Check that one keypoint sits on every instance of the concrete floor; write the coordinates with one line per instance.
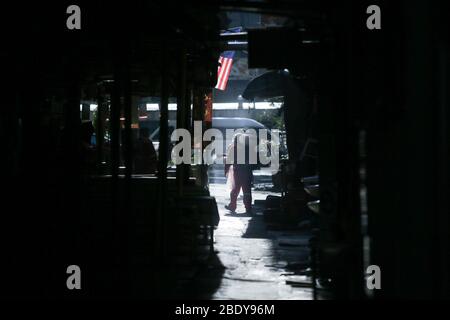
(252, 260)
(256, 263)
(255, 258)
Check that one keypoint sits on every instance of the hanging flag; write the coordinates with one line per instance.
(223, 72)
(225, 64)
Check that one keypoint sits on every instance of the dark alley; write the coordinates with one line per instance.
(225, 151)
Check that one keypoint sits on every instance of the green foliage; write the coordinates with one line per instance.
(272, 119)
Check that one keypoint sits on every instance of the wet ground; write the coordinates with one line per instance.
(251, 260)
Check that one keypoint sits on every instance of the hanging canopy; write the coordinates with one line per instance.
(268, 85)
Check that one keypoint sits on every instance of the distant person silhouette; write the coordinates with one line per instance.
(240, 175)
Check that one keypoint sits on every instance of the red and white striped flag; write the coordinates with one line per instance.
(223, 72)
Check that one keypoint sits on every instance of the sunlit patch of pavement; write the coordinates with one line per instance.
(253, 269)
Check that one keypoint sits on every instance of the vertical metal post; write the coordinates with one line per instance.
(187, 121)
(71, 182)
(127, 205)
(163, 155)
(115, 127)
(115, 158)
(188, 101)
(201, 97)
(100, 130)
(85, 111)
(181, 113)
(128, 143)
(197, 115)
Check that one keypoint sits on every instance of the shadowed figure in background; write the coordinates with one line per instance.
(145, 154)
(239, 173)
